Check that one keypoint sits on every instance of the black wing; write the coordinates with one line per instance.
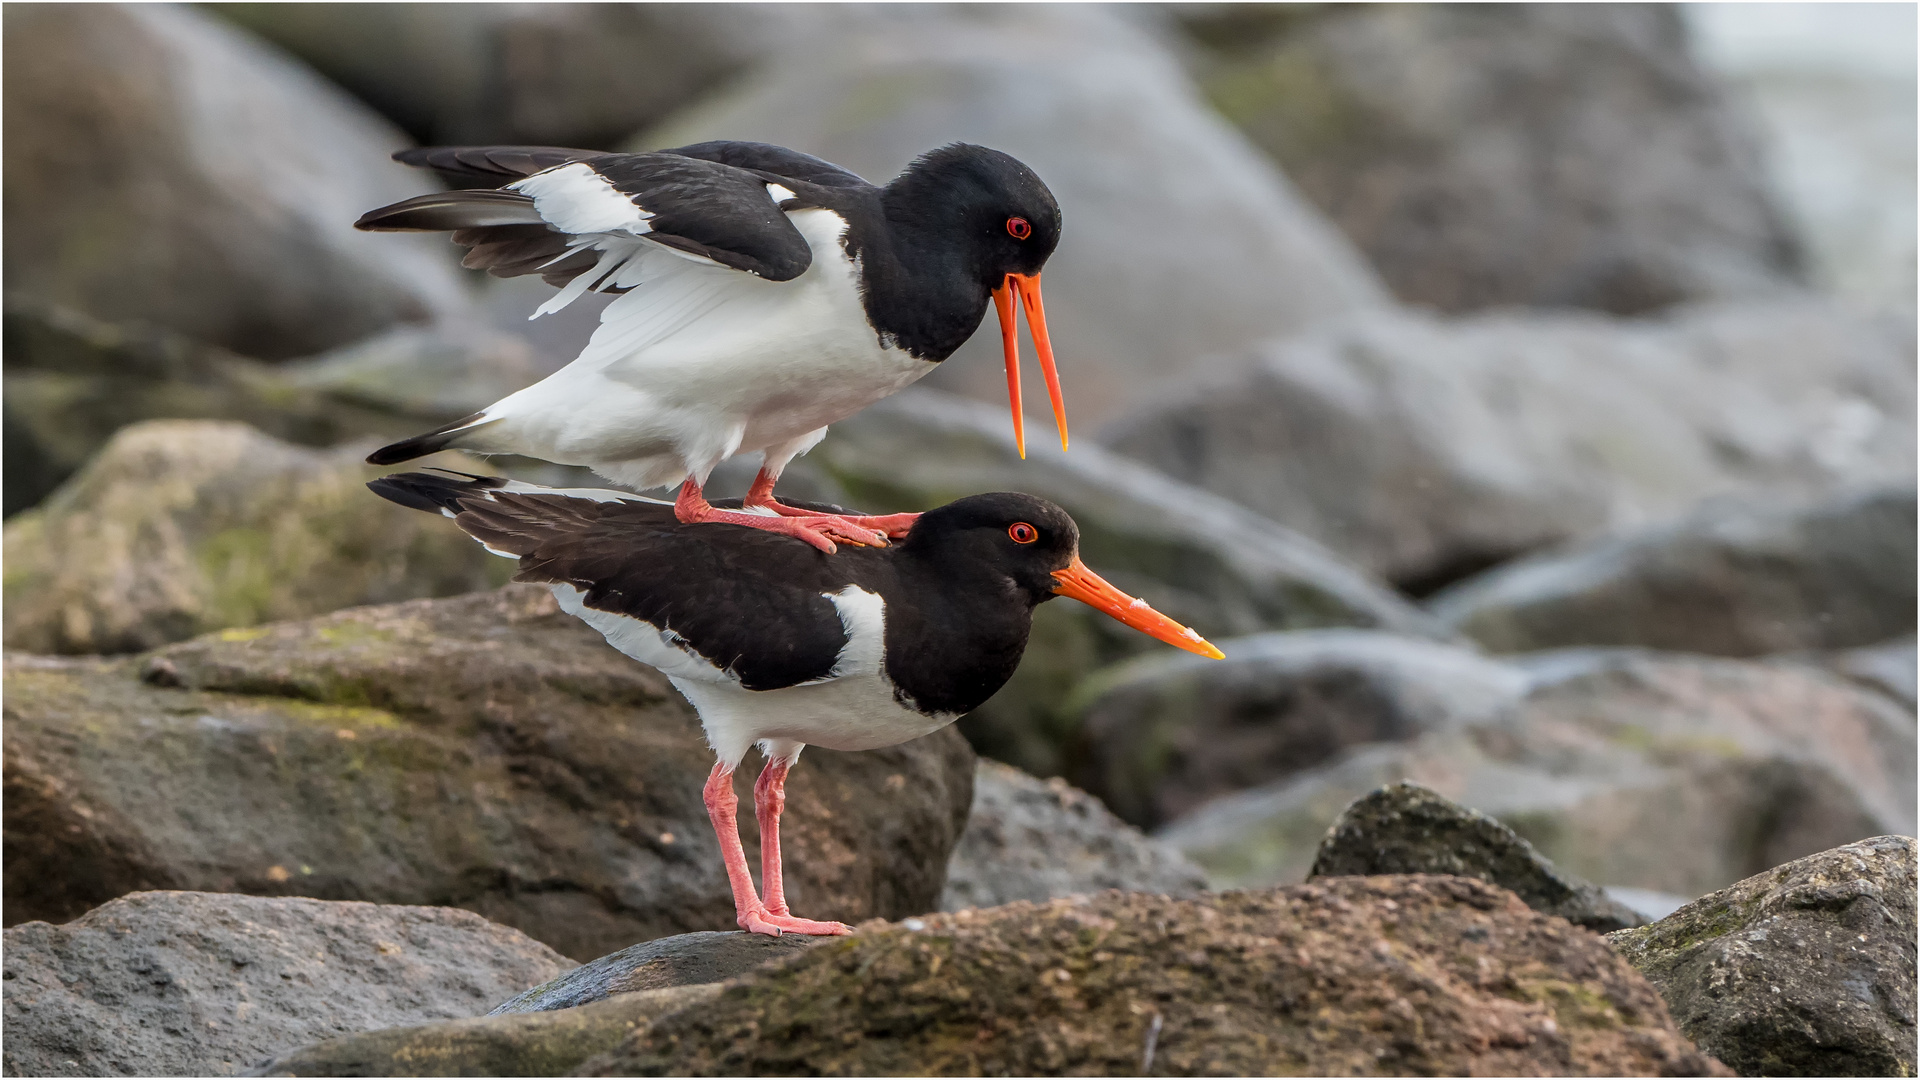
(777, 161)
(702, 207)
(748, 602)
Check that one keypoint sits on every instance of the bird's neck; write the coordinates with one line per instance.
(917, 285)
(958, 645)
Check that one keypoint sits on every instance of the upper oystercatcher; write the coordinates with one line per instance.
(776, 644)
(767, 294)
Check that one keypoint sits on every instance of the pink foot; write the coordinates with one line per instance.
(820, 530)
(795, 925)
(761, 495)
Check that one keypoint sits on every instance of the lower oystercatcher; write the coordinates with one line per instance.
(780, 646)
(767, 294)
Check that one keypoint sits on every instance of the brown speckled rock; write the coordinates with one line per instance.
(1805, 970)
(1384, 975)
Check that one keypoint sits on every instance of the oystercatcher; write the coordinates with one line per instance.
(779, 646)
(767, 294)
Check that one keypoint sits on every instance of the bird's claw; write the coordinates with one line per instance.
(762, 921)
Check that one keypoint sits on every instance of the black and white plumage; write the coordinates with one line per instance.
(777, 644)
(764, 293)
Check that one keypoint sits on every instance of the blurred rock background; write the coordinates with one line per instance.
(1522, 395)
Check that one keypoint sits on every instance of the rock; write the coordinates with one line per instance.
(1180, 239)
(1408, 829)
(1162, 736)
(485, 751)
(435, 374)
(1669, 772)
(1734, 578)
(1201, 559)
(709, 956)
(1511, 155)
(1892, 667)
(73, 380)
(195, 983)
(1805, 970)
(1416, 975)
(213, 191)
(182, 527)
(1427, 450)
(1032, 839)
(510, 73)
(522, 1044)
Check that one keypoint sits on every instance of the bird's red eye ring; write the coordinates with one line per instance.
(1023, 533)
(1018, 228)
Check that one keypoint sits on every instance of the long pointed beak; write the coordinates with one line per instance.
(1088, 587)
(1028, 286)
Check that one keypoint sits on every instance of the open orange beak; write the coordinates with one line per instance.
(1028, 286)
(1088, 587)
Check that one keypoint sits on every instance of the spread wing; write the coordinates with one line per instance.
(585, 220)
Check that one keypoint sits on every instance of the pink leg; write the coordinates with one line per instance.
(820, 530)
(769, 798)
(721, 807)
(761, 494)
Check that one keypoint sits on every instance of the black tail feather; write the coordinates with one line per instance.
(421, 445)
(434, 494)
(499, 164)
(444, 211)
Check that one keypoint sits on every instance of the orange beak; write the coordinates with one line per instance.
(1088, 587)
(1028, 285)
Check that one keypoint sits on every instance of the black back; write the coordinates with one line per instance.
(959, 593)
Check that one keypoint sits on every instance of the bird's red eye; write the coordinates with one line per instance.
(1023, 533)
(1018, 228)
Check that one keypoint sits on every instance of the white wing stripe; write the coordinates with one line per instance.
(575, 199)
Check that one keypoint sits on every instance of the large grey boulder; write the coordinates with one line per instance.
(206, 984)
(1734, 578)
(542, 74)
(1202, 559)
(1033, 839)
(1162, 735)
(1426, 450)
(1180, 240)
(1509, 154)
(1805, 970)
(485, 751)
(163, 166)
(1661, 771)
(181, 527)
(1408, 829)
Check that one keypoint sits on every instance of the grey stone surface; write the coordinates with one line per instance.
(1163, 735)
(1660, 771)
(709, 956)
(1891, 666)
(1737, 577)
(438, 373)
(539, 74)
(163, 166)
(182, 527)
(1426, 450)
(1508, 154)
(1805, 970)
(1180, 239)
(204, 984)
(486, 751)
(1202, 560)
(1033, 839)
(1408, 829)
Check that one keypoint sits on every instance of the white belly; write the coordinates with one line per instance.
(857, 713)
(700, 362)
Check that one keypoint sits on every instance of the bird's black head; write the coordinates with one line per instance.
(1014, 542)
(1005, 219)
